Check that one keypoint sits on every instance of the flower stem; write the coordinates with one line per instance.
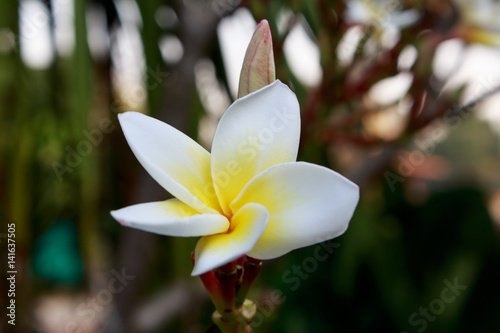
(251, 269)
(227, 287)
(227, 278)
(241, 321)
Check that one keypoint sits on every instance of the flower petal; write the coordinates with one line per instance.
(175, 161)
(257, 131)
(307, 204)
(171, 218)
(247, 225)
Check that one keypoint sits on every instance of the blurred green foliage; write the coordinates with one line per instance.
(56, 255)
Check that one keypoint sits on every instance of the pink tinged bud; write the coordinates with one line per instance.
(258, 66)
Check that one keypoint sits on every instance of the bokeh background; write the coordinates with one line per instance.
(398, 96)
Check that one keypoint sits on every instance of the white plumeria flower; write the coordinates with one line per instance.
(381, 13)
(249, 196)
